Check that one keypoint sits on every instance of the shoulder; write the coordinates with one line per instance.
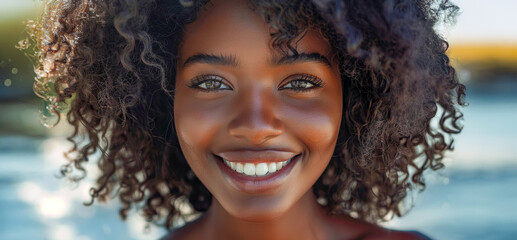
(387, 234)
(174, 235)
(189, 231)
(349, 228)
(376, 232)
(180, 234)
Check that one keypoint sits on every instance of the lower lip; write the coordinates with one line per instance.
(257, 184)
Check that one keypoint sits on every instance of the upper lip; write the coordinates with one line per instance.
(247, 155)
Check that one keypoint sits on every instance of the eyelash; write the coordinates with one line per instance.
(307, 78)
(207, 78)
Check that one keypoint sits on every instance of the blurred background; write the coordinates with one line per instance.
(474, 197)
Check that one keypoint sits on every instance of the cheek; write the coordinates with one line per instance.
(319, 131)
(317, 125)
(196, 126)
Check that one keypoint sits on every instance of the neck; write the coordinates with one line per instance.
(302, 221)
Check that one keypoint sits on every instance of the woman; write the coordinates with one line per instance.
(258, 119)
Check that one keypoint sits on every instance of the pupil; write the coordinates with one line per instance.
(213, 84)
(300, 84)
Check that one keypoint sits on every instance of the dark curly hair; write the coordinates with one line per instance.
(110, 66)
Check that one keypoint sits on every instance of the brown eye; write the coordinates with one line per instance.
(209, 83)
(303, 83)
(299, 84)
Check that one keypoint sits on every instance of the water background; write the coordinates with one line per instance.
(475, 197)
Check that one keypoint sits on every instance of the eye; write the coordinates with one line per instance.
(209, 83)
(303, 83)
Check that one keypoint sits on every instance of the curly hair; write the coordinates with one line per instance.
(109, 65)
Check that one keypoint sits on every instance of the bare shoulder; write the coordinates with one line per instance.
(183, 233)
(189, 231)
(176, 234)
(376, 232)
(348, 228)
(387, 234)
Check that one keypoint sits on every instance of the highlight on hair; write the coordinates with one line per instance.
(109, 65)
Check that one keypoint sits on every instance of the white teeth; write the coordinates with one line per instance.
(279, 165)
(239, 168)
(249, 169)
(272, 167)
(259, 169)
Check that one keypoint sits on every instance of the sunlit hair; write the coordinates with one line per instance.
(110, 66)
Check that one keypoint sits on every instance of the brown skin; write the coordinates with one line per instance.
(255, 109)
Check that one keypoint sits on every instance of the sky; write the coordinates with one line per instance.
(482, 21)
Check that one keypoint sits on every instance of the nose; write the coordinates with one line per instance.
(256, 120)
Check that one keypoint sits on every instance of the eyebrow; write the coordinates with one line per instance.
(302, 57)
(225, 60)
(231, 60)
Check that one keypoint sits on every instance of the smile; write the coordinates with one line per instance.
(257, 171)
(260, 169)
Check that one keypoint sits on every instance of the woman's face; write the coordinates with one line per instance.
(274, 118)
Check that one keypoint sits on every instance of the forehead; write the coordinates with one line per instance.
(231, 27)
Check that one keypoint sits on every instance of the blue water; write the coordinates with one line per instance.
(34, 204)
(473, 205)
(475, 197)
